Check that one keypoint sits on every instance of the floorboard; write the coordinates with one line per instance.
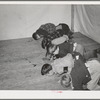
(18, 58)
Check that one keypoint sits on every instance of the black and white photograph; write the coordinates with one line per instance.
(50, 46)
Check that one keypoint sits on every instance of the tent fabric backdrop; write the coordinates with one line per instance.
(21, 20)
(87, 20)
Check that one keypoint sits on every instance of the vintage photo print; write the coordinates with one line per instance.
(49, 49)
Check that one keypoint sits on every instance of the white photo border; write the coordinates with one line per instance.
(56, 94)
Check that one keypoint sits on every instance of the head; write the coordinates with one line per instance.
(64, 27)
(35, 36)
(70, 34)
(40, 33)
(59, 33)
(46, 68)
(52, 49)
(49, 27)
(66, 80)
(45, 42)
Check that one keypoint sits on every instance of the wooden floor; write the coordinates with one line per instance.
(18, 58)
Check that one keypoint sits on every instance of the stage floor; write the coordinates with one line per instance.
(21, 62)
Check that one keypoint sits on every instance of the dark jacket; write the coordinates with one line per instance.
(80, 75)
(65, 48)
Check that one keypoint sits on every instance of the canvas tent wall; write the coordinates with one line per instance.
(21, 20)
(87, 20)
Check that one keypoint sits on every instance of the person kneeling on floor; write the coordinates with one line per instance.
(61, 50)
(83, 76)
(79, 74)
(59, 66)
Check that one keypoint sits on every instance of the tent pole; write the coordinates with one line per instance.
(72, 18)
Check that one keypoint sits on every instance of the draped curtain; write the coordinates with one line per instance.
(87, 20)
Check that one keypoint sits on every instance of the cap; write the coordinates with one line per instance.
(45, 69)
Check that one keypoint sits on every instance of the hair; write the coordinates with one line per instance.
(34, 36)
(45, 69)
(41, 33)
(66, 80)
(44, 43)
(48, 52)
(52, 47)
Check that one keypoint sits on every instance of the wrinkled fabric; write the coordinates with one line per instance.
(93, 65)
(68, 47)
(94, 69)
(80, 75)
(79, 48)
(60, 63)
(60, 40)
(90, 54)
(92, 85)
(65, 48)
(87, 20)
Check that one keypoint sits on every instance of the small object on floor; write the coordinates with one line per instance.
(34, 65)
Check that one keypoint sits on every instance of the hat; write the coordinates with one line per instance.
(42, 32)
(64, 27)
(49, 27)
(45, 69)
(35, 36)
(66, 80)
(39, 34)
(44, 43)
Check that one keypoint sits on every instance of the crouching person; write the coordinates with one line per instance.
(59, 66)
(79, 73)
(83, 76)
(63, 49)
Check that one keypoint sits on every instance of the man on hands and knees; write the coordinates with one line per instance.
(79, 73)
(59, 66)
